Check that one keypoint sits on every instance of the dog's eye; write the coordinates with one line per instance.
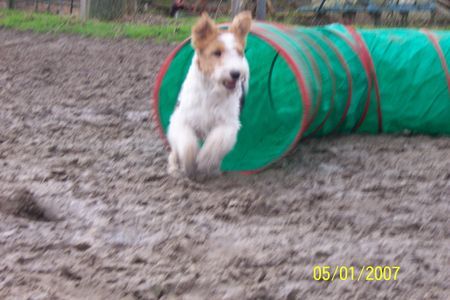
(217, 53)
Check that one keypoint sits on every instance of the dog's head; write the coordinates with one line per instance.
(220, 53)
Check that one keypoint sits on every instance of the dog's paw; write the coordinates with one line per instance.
(207, 165)
(199, 177)
(174, 172)
(190, 170)
(205, 174)
(173, 166)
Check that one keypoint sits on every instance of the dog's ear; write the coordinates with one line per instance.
(241, 25)
(203, 31)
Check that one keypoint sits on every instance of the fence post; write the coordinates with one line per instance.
(103, 9)
(48, 5)
(131, 7)
(36, 5)
(60, 9)
(260, 9)
(11, 4)
(235, 7)
(71, 6)
(84, 9)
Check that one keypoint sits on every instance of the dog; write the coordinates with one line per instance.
(209, 102)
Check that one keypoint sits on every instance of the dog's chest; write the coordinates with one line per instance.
(207, 111)
(210, 113)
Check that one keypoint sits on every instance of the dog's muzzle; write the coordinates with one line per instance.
(230, 84)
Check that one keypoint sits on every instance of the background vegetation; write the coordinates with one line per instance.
(172, 30)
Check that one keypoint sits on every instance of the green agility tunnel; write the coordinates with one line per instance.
(324, 80)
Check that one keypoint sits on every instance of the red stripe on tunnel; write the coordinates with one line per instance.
(435, 42)
(367, 72)
(371, 68)
(344, 64)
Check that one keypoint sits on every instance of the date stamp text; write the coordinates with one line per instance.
(363, 273)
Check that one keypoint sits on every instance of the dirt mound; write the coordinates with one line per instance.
(22, 203)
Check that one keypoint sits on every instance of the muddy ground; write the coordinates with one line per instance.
(88, 212)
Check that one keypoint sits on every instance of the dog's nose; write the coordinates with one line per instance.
(235, 74)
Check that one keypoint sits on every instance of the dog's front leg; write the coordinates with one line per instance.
(184, 148)
(218, 143)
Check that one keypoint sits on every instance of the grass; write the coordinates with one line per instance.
(173, 31)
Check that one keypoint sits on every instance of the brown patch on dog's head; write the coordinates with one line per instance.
(209, 47)
(203, 32)
(211, 56)
(241, 25)
(205, 41)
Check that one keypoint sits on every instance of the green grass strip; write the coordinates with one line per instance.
(174, 31)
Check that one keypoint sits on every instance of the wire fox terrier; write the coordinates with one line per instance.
(209, 102)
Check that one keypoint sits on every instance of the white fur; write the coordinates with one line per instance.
(208, 112)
